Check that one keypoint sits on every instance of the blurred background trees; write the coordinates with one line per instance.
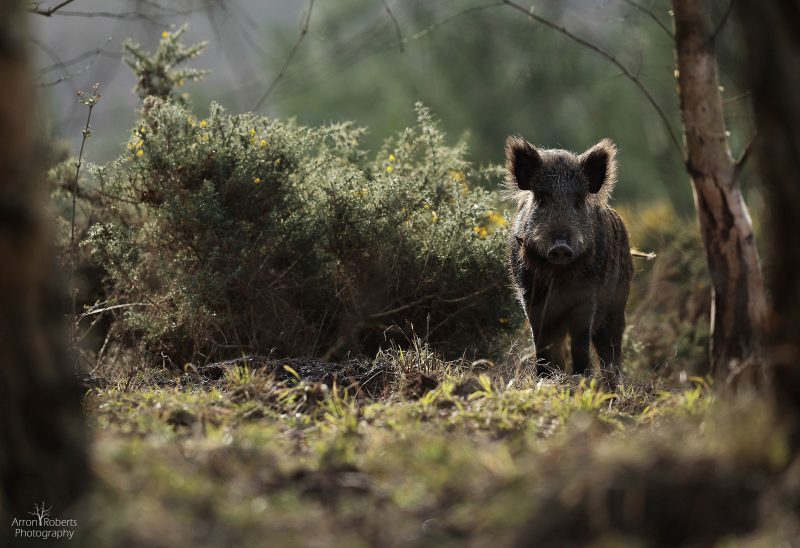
(484, 69)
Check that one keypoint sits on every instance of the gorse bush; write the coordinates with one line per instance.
(240, 233)
(158, 74)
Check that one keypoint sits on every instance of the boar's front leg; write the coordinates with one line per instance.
(580, 333)
(549, 342)
(607, 339)
(549, 332)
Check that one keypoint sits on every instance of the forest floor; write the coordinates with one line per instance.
(407, 449)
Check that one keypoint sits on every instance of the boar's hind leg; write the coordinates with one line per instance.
(607, 340)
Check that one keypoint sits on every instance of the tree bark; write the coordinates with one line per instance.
(773, 71)
(42, 436)
(739, 304)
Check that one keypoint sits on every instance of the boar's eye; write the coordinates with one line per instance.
(543, 199)
(578, 201)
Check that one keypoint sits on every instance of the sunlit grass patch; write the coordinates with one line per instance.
(477, 453)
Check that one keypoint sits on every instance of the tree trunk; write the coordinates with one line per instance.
(42, 437)
(739, 305)
(773, 63)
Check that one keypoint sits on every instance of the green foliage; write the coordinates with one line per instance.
(244, 233)
(525, 79)
(157, 73)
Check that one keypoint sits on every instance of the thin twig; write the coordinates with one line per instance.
(643, 254)
(303, 32)
(49, 11)
(109, 308)
(69, 76)
(60, 65)
(90, 103)
(128, 15)
(396, 24)
(446, 20)
(610, 58)
(651, 15)
(729, 100)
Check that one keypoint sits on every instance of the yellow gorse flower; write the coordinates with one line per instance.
(389, 169)
(165, 35)
(496, 218)
(392, 158)
(481, 231)
(263, 143)
(457, 175)
(203, 123)
(139, 153)
(257, 180)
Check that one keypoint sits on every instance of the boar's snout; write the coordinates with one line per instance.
(560, 252)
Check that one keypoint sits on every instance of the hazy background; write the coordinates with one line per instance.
(485, 70)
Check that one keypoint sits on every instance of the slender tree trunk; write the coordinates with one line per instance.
(739, 305)
(773, 62)
(42, 438)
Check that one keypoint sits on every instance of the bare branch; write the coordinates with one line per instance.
(303, 32)
(60, 65)
(122, 16)
(47, 12)
(446, 20)
(651, 15)
(57, 62)
(610, 58)
(154, 18)
(396, 24)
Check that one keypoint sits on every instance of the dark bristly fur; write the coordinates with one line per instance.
(569, 255)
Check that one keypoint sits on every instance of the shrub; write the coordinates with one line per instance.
(669, 309)
(240, 233)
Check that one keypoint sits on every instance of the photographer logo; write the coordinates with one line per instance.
(43, 526)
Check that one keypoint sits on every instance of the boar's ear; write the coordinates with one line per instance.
(522, 161)
(599, 164)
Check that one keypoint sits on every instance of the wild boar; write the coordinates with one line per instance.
(569, 256)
